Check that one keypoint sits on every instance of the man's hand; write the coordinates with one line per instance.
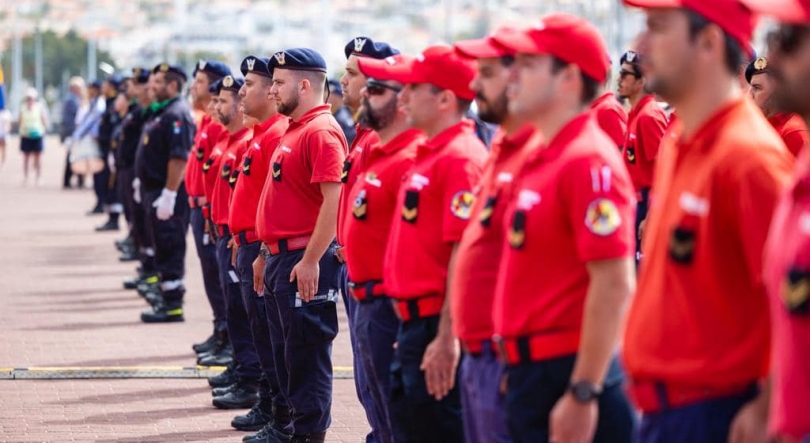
(751, 423)
(165, 204)
(258, 275)
(573, 422)
(234, 249)
(439, 363)
(641, 226)
(307, 275)
(136, 190)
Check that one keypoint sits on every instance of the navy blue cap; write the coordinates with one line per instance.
(213, 67)
(634, 59)
(758, 66)
(213, 88)
(297, 59)
(366, 47)
(95, 84)
(140, 75)
(174, 69)
(114, 80)
(256, 65)
(334, 87)
(231, 83)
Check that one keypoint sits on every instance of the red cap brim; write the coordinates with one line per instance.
(519, 42)
(481, 48)
(789, 11)
(399, 68)
(654, 3)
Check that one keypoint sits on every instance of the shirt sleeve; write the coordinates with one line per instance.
(650, 130)
(600, 206)
(180, 136)
(612, 124)
(327, 151)
(796, 141)
(461, 175)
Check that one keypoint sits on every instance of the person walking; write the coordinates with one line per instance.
(32, 123)
(70, 110)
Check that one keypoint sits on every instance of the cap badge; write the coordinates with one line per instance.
(202, 64)
(760, 63)
(359, 43)
(391, 61)
(136, 72)
(164, 67)
(280, 58)
(251, 62)
(227, 81)
(631, 56)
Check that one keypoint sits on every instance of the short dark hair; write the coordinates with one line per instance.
(590, 87)
(733, 51)
(463, 104)
(175, 78)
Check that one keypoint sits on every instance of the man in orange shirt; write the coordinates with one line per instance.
(790, 126)
(697, 337)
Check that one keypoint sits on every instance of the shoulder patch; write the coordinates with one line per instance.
(461, 205)
(602, 217)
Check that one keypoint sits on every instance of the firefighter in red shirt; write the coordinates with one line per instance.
(353, 81)
(787, 252)
(566, 268)
(296, 221)
(476, 262)
(646, 125)
(697, 335)
(611, 116)
(790, 126)
(434, 203)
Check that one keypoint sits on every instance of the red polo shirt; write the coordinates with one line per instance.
(700, 314)
(787, 277)
(210, 168)
(204, 141)
(435, 201)
(479, 251)
(573, 203)
(647, 123)
(253, 172)
(611, 117)
(374, 198)
(793, 131)
(311, 152)
(364, 142)
(221, 195)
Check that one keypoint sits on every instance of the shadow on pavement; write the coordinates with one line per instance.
(179, 436)
(130, 397)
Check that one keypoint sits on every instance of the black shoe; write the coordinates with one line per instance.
(109, 226)
(268, 434)
(154, 297)
(244, 396)
(224, 358)
(318, 437)
(254, 420)
(128, 255)
(99, 209)
(124, 243)
(226, 378)
(163, 314)
(205, 346)
(149, 283)
(133, 282)
(219, 392)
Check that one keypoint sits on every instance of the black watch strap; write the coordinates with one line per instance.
(585, 391)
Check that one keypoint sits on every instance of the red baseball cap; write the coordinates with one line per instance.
(730, 15)
(567, 37)
(789, 11)
(438, 65)
(485, 47)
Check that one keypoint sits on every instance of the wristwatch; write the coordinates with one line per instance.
(264, 252)
(584, 391)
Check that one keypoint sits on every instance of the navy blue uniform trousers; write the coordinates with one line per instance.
(169, 238)
(259, 328)
(207, 252)
(533, 390)
(244, 353)
(307, 331)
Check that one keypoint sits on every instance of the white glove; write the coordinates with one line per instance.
(111, 162)
(165, 204)
(136, 190)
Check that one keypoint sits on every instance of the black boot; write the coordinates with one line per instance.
(133, 282)
(258, 417)
(111, 225)
(243, 396)
(207, 345)
(124, 244)
(129, 255)
(226, 378)
(219, 392)
(221, 354)
(149, 283)
(269, 434)
(317, 437)
(98, 209)
(163, 313)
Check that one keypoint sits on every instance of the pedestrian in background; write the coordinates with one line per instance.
(77, 96)
(32, 123)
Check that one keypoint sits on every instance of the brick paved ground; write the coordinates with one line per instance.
(61, 304)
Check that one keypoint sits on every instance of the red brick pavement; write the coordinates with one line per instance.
(61, 304)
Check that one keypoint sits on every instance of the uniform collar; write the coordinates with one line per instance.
(443, 138)
(605, 97)
(311, 114)
(402, 140)
(267, 124)
(641, 104)
(237, 135)
(780, 119)
(514, 141)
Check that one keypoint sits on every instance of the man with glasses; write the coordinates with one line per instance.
(373, 200)
(787, 253)
(645, 127)
(434, 203)
(697, 337)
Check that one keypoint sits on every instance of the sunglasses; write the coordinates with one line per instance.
(376, 87)
(624, 73)
(787, 38)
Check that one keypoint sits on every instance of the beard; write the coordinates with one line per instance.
(377, 119)
(288, 107)
(493, 112)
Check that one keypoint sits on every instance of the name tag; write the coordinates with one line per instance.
(694, 205)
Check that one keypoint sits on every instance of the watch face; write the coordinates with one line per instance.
(584, 391)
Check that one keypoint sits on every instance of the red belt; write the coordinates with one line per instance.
(367, 290)
(537, 347)
(196, 202)
(245, 237)
(651, 397)
(422, 307)
(288, 244)
(223, 231)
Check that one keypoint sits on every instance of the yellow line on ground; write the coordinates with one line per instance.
(127, 372)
